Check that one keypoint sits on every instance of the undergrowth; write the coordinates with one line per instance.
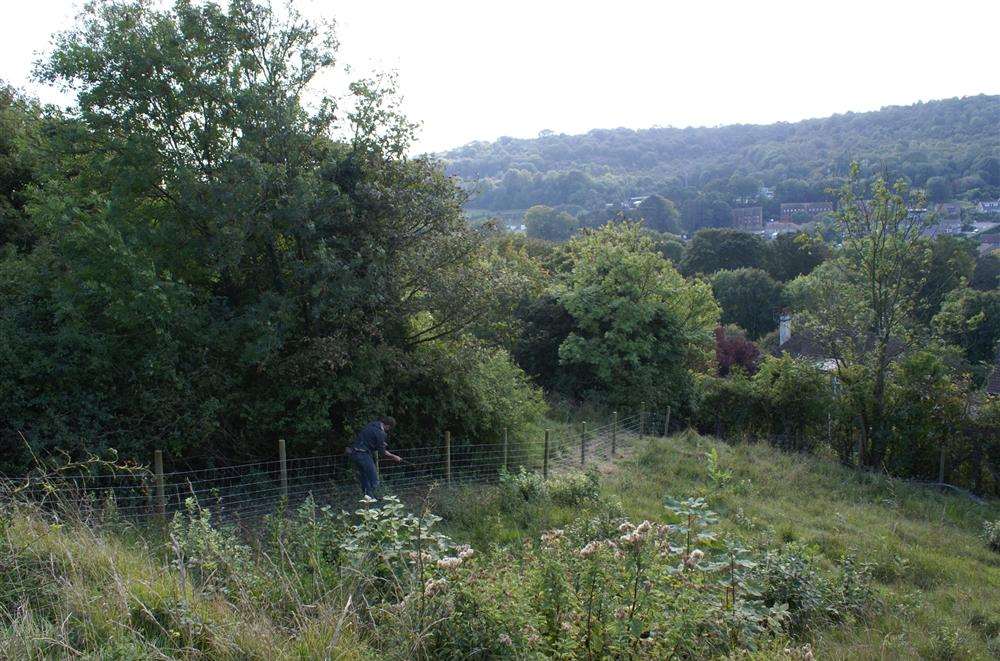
(759, 554)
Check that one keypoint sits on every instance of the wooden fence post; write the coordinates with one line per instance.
(161, 501)
(283, 467)
(642, 418)
(666, 423)
(614, 432)
(545, 457)
(505, 448)
(447, 457)
(583, 444)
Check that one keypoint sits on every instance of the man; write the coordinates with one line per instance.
(370, 442)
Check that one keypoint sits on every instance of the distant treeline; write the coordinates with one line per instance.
(947, 147)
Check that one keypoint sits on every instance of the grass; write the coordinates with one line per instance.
(116, 593)
(939, 582)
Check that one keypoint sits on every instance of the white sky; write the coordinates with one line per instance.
(473, 70)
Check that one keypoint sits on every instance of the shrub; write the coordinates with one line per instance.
(790, 577)
(522, 486)
(574, 488)
(991, 533)
(794, 396)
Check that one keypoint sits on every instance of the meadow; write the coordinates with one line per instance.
(683, 547)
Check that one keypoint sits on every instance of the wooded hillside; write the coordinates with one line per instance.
(948, 146)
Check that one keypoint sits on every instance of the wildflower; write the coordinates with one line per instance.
(590, 549)
(449, 563)
(632, 538)
(434, 585)
(566, 626)
(552, 537)
(626, 527)
(694, 558)
(505, 640)
(466, 553)
(621, 613)
(644, 527)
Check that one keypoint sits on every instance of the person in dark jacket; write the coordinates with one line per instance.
(368, 444)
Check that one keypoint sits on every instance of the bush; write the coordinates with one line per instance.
(794, 396)
(575, 488)
(791, 576)
(991, 533)
(522, 486)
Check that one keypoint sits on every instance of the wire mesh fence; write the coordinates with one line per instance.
(249, 490)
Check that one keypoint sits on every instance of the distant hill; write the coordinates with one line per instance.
(951, 147)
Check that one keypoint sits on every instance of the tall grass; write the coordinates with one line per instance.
(806, 557)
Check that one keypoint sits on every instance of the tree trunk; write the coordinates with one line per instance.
(878, 438)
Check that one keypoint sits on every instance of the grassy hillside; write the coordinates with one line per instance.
(938, 582)
(299, 591)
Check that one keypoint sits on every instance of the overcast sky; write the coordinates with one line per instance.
(476, 71)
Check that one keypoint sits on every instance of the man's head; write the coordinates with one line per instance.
(388, 422)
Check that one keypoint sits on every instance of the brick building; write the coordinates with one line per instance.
(789, 210)
(750, 219)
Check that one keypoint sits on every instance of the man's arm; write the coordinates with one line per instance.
(384, 449)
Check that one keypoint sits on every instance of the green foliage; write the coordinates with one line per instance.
(522, 486)
(991, 534)
(568, 489)
(986, 276)
(469, 388)
(927, 401)
(860, 309)
(637, 323)
(542, 222)
(791, 576)
(700, 168)
(575, 489)
(712, 250)
(20, 122)
(749, 298)
(970, 319)
(791, 255)
(794, 396)
(725, 406)
(214, 264)
(952, 263)
(659, 214)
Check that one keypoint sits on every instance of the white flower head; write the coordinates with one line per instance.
(434, 585)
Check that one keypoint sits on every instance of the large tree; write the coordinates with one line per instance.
(637, 325)
(542, 222)
(749, 298)
(712, 250)
(791, 255)
(222, 262)
(659, 214)
(859, 309)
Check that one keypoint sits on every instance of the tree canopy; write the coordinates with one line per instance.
(948, 147)
(217, 263)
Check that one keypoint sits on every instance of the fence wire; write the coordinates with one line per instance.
(246, 491)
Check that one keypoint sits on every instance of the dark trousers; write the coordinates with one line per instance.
(366, 472)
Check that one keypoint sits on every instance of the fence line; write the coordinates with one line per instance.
(249, 490)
